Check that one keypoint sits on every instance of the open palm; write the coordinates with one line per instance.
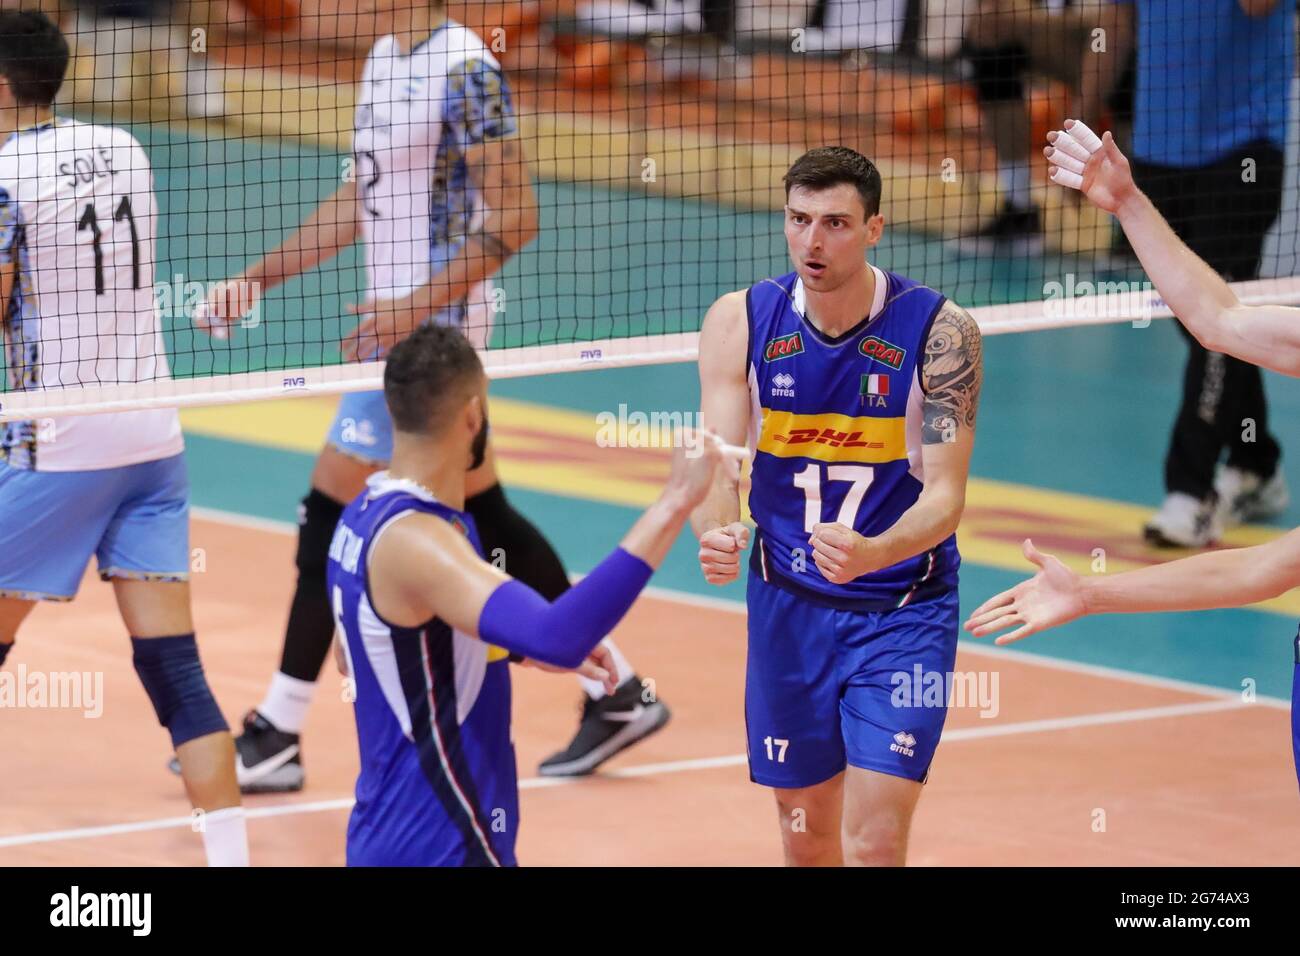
(1050, 598)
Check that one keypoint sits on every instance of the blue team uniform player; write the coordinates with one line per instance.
(437, 785)
(831, 676)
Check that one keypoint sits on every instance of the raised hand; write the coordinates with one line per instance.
(1095, 167)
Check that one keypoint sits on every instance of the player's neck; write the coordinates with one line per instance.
(21, 117)
(415, 24)
(428, 464)
(834, 313)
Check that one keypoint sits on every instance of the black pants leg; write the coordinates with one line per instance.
(1223, 218)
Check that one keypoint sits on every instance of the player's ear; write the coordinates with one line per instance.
(875, 228)
(475, 411)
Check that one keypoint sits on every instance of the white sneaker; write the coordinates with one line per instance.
(1184, 522)
(627, 19)
(1244, 496)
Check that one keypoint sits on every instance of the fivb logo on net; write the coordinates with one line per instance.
(656, 429)
(21, 689)
(181, 298)
(1083, 299)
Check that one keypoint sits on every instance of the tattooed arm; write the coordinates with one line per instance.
(951, 376)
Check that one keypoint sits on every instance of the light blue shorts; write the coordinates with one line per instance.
(362, 428)
(135, 520)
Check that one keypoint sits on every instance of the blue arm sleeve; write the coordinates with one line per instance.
(563, 633)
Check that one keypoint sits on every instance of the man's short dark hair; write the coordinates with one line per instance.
(428, 374)
(33, 56)
(828, 166)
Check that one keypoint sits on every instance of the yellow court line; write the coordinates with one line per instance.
(554, 451)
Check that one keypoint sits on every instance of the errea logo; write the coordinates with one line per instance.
(904, 743)
(783, 385)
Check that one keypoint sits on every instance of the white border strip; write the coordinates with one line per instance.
(1088, 310)
(336, 379)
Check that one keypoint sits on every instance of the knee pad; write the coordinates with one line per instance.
(317, 517)
(173, 678)
(998, 73)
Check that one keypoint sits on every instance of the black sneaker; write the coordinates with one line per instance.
(267, 760)
(609, 726)
(1013, 230)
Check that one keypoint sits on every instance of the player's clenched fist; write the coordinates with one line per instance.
(720, 552)
(842, 555)
(227, 302)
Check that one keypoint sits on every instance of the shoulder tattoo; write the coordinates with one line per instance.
(951, 374)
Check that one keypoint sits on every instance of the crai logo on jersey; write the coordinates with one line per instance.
(783, 347)
(882, 351)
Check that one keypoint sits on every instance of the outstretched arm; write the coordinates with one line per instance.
(422, 567)
(1056, 595)
(324, 234)
(1266, 335)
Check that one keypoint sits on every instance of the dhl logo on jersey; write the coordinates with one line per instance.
(832, 437)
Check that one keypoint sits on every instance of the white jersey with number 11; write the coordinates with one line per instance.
(77, 227)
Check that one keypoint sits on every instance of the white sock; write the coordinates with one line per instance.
(225, 837)
(594, 688)
(286, 702)
(1015, 178)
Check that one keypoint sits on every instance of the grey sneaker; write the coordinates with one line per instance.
(1245, 496)
(1184, 522)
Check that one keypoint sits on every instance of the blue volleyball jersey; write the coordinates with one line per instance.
(437, 785)
(836, 428)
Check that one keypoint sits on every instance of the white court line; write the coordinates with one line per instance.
(654, 769)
